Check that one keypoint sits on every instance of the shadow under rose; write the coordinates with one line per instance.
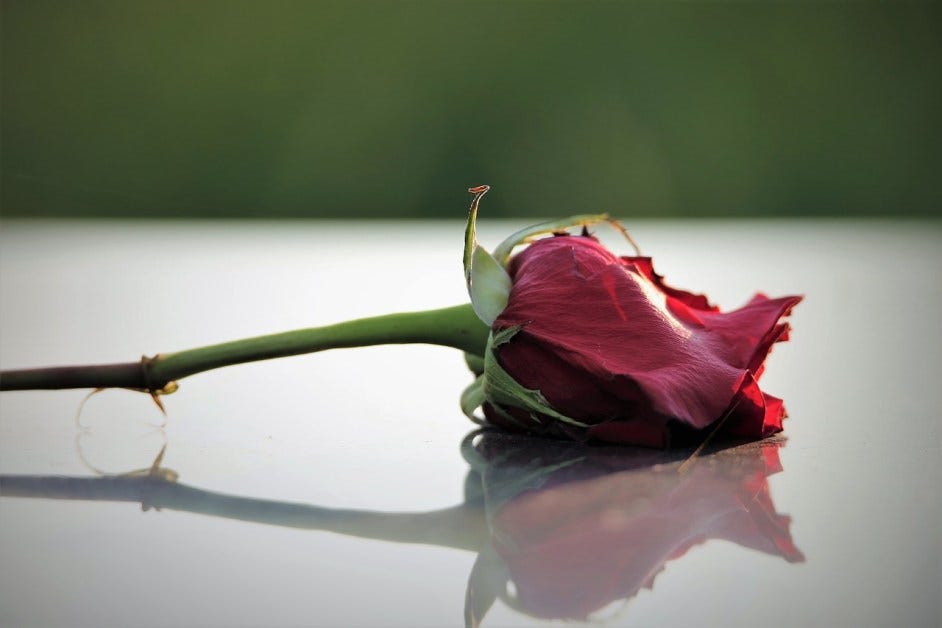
(561, 530)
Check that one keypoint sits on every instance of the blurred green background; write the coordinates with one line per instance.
(392, 109)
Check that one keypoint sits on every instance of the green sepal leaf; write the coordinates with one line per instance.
(503, 391)
(505, 248)
(488, 282)
(472, 398)
(489, 287)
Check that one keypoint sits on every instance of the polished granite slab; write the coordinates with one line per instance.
(346, 488)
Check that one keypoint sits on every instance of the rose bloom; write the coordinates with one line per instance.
(609, 344)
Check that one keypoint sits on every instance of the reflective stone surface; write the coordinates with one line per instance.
(346, 488)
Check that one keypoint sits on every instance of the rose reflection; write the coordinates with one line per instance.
(575, 529)
(562, 530)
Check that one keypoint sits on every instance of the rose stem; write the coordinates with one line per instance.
(457, 327)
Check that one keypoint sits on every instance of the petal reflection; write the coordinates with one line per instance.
(577, 528)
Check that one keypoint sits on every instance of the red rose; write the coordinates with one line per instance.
(608, 344)
(595, 346)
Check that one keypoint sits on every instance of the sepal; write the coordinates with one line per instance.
(488, 282)
(527, 234)
(472, 398)
(504, 392)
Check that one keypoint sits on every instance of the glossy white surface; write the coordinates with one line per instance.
(379, 429)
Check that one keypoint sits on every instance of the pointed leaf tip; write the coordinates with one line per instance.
(488, 282)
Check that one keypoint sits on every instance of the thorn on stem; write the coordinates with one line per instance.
(160, 404)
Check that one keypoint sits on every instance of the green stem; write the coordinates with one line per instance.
(457, 327)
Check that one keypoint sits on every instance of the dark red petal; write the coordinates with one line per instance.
(578, 392)
(637, 432)
(754, 414)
